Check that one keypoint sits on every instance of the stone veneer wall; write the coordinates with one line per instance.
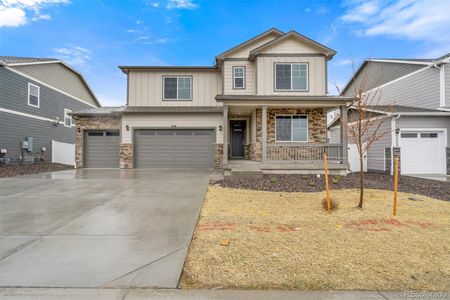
(218, 158)
(91, 123)
(126, 156)
(317, 127)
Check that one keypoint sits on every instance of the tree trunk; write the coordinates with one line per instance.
(361, 182)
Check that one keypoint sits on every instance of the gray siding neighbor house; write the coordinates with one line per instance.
(415, 95)
(37, 96)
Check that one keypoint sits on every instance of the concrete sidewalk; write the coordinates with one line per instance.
(128, 294)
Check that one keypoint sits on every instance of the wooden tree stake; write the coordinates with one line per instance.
(394, 212)
(325, 162)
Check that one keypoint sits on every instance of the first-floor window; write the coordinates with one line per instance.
(291, 128)
(67, 117)
(177, 88)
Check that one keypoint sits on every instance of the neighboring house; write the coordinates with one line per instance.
(415, 95)
(37, 96)
(262, 105)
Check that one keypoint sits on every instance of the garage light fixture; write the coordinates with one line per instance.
(220, 127)
(127, 127)
(397, 130)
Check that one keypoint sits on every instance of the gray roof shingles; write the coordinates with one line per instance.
(17, 59)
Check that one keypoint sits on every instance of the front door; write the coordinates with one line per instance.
(238, 138)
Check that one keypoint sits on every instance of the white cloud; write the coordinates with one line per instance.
(12, 17)
(74, 55)
(155, 4)
(181, 4)
(416, 20)
(342, 62)
(13, 13)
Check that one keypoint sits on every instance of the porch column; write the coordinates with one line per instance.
(225, 135)
(264, 134)
(344, 141)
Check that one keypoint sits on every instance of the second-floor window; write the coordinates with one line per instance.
(67, 117)
(177, 87)
(291, 77)
(239, 77)
(33, 95)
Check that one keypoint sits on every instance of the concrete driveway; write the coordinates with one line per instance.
(98, 228)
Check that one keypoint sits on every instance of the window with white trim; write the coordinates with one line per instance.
(177, 88)
(67, 118)
(238, 77)
(291, 128)
(291, 77)
(33, 95)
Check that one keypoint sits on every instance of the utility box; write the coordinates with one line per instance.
(28, 144)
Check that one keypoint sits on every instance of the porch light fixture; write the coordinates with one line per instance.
(79, 129)
(220, 127)
(127, 127)
(397, 130)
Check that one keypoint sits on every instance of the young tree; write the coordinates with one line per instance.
(364, 125)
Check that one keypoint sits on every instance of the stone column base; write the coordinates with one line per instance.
(218, 158)
(126, 156)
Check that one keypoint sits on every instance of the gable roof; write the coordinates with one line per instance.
(329, 53)
(413, 61)
(273, 30)
(12, 61)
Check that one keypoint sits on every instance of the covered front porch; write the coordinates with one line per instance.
(281, 137)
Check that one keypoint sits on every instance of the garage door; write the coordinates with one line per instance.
(422, 152)
(174, 148)
(101, 149)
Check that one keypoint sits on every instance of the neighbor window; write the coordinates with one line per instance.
(291, 77)
(291, 128)
(177, 87)
(67, 117)
(33, 95)
(239, 77)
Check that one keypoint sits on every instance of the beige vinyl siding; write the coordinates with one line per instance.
(244, 51)
(266, 75)
(290, 45)
(418, 90)
(60, 77)
(447, 84)
(161, 121)
(146, 88)
(379, 73)
(249, 77)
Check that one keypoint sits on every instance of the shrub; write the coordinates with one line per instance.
(273, 179)
(333, 203)
(336, 179)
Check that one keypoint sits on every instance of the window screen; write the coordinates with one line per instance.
(291, 77)
(177, 88)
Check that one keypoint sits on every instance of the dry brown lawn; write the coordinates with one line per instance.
(288, 241)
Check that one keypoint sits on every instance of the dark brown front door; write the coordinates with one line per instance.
(238, 138)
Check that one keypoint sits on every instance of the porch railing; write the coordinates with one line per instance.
(303, 152)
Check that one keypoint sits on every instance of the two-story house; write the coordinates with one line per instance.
(37, 96)
(415, 96)
(263, 105)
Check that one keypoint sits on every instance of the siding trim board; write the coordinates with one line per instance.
(10, 111)
(49, 86)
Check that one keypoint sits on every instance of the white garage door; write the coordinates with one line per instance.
(422, 152)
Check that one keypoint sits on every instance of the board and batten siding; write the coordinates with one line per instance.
(379, 73)
(172, 121)
(292, 46)
(244, 52)
(14, 96)
(266, 75)
(249, 77)
(60, 77)
(145, 88)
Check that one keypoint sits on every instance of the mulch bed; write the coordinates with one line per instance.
(31, 168)
(311, 183)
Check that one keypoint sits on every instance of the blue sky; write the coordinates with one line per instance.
(97, 36)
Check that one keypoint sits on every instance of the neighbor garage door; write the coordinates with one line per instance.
(422, 152)
(174, 148)
(101, 149)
